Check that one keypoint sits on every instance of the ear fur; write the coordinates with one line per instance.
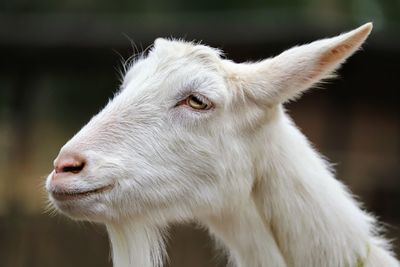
(287, 75)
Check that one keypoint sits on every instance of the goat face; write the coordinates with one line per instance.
(184, 135)
(160, 148)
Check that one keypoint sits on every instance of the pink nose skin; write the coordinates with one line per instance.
(69, 164)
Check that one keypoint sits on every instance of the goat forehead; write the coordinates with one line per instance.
(177, 49)
(172, 67)
(171, 56)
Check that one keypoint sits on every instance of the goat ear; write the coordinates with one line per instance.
(287, 75)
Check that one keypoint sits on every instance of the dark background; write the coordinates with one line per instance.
(59, 63)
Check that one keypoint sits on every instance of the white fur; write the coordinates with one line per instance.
(242, 169)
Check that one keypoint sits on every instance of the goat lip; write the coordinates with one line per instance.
(75, 195)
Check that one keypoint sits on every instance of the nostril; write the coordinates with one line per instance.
(69, 165)
(73, 168)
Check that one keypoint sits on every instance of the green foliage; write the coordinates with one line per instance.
(388, 10)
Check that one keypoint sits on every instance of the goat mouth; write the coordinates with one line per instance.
(75, 195)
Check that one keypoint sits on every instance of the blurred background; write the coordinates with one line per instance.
(59, 63)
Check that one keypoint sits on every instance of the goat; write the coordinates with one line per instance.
(192, 136)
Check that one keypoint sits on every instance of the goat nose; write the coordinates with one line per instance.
(69, 163)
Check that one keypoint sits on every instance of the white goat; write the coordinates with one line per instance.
(192, 136)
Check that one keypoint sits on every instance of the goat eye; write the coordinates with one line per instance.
(198, 102)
